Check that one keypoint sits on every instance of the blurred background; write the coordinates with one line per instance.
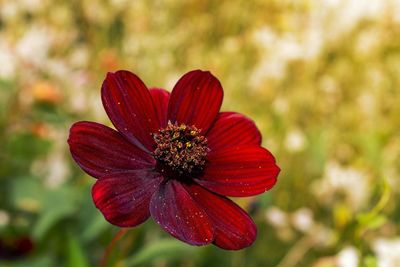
(320, 79)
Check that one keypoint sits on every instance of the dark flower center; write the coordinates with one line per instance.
(181, 147)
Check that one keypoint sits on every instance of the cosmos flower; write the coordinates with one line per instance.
(176, 158)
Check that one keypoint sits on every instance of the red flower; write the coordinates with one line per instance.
(174, 157)
(15, 247)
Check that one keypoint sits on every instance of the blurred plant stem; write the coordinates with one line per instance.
(297, 252)
(111, 245)
(374, 218)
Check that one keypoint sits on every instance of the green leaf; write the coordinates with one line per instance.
(376, 222)
(25, 146)
(57, 204)
(163, 249)
(95, 227)
(41, 261)
(373, 218)
(370, 261)
(76, 255)
(26, 193)
(91, 222)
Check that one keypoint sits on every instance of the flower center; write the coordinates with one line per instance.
(181, 147)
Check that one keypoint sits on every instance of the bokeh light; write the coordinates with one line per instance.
(321, 79)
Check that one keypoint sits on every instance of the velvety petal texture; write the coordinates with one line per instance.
(130, 107)
(179, 173)
(160, 100)
(176, 212)
(234, 229)
(101, 151)
(240, 171)
(233, 129)
(196, 100)
(124, 198)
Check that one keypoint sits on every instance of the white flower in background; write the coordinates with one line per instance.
(367, 41)
(4, 218)
(313, 41)
(276, 217)
(348, 257)
(78, 92)
(96, 11)
(78, 103)
(32, 5)
(328, 84)
(344, 180)
(264, 36)
(331, 3)
(341, 16)
(269, 68)
(280, 105)
(79, 57)
(302, 219)
(323, 235)
(8, 62)
(57, 170)
(325, 22)
(395, 8)
(295, 141)
(54, 167)
(270, 64)
(387, 252)
(8, 10)
(57, 68)
(120, 3)
(34, 45)
(367, 103)
(95, 106)
(277, 52)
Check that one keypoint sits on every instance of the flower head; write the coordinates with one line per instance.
(176, 158)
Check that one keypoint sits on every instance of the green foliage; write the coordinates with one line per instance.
(168, 249)
(321, 80)
(76, 255)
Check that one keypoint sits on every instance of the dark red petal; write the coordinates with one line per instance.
(240, 171)
(129, 105)
(176, 212)
(196, 100)
(234, 229)
(232, 129)
(160, 100)
(124, 198)
(100, 150)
